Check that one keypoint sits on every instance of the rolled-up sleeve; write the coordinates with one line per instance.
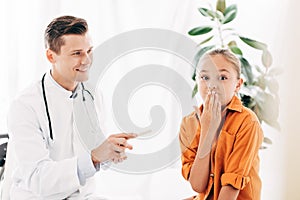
(244, 152)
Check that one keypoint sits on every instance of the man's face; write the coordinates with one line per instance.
(72, 64)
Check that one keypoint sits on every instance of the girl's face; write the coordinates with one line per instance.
(219, 75)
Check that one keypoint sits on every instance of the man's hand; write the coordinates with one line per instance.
(113, 148)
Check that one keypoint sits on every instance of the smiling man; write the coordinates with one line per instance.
(45, 158)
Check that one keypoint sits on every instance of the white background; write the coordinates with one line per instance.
(23, 61)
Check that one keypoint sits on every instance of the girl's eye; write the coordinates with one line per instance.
(222, 78)
(204, 78)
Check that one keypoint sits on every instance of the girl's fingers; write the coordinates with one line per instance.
(207, 100)
(217, 101)
(211, 101)
(219, 109)
(214, 103)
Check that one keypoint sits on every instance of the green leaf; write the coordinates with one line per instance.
(262, 147)
(247, 100)
(230, 8)
(206, 40)
(247, 70)
(275, 71)
(200, 53)
(195, 90)
(254, 92)
(273, 123)
(268, 106)
(200, 30)
(261, 82)
(206, 12)
(236, 50)
(266, 58)
(228, 29)
(267, 140)
(272, 85)
(229, 16)
(253, 43)
(221, 5)
(219, 16)
(232, 43)
(259, 69)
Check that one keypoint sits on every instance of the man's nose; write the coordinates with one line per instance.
(87, 59)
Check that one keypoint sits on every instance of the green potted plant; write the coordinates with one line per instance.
(260, 88)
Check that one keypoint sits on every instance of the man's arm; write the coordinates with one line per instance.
(36, 171)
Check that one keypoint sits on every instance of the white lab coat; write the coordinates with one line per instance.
(38, 167)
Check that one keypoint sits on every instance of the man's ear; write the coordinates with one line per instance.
(50, 56)
(239, 85)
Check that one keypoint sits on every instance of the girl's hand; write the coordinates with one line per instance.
(211, 116)
(210, 121)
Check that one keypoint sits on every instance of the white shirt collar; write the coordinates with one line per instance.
(52, 83)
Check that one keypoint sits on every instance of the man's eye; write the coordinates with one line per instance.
(77, 53)
(204, 78)
(89, 51)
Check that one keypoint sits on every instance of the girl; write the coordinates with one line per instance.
(221, 139)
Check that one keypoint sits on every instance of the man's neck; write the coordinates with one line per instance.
(68, 85)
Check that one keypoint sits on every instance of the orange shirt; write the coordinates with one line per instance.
(234, 157)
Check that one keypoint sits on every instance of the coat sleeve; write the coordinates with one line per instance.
(35, 171)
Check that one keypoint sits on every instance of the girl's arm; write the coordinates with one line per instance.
(199, 175)
(228, 193)
(210, 122)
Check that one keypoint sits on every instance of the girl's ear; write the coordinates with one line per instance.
(50, 55)
(238, 85)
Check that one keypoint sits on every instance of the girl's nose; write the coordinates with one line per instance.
(212, 86)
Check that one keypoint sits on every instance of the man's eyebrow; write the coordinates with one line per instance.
(75, 50)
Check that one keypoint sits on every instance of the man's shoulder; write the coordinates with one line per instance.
(29, 95)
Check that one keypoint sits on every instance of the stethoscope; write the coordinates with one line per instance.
(106, 164)
(74, 95)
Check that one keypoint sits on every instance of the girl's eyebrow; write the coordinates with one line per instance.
(223, 70)
(220, 70)
(203, 70)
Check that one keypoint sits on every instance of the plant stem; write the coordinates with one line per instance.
(220, 32)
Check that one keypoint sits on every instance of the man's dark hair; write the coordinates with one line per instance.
(60, 26)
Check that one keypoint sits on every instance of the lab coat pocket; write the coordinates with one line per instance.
(224, 145)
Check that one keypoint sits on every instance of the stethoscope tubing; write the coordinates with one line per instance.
(47, 107)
